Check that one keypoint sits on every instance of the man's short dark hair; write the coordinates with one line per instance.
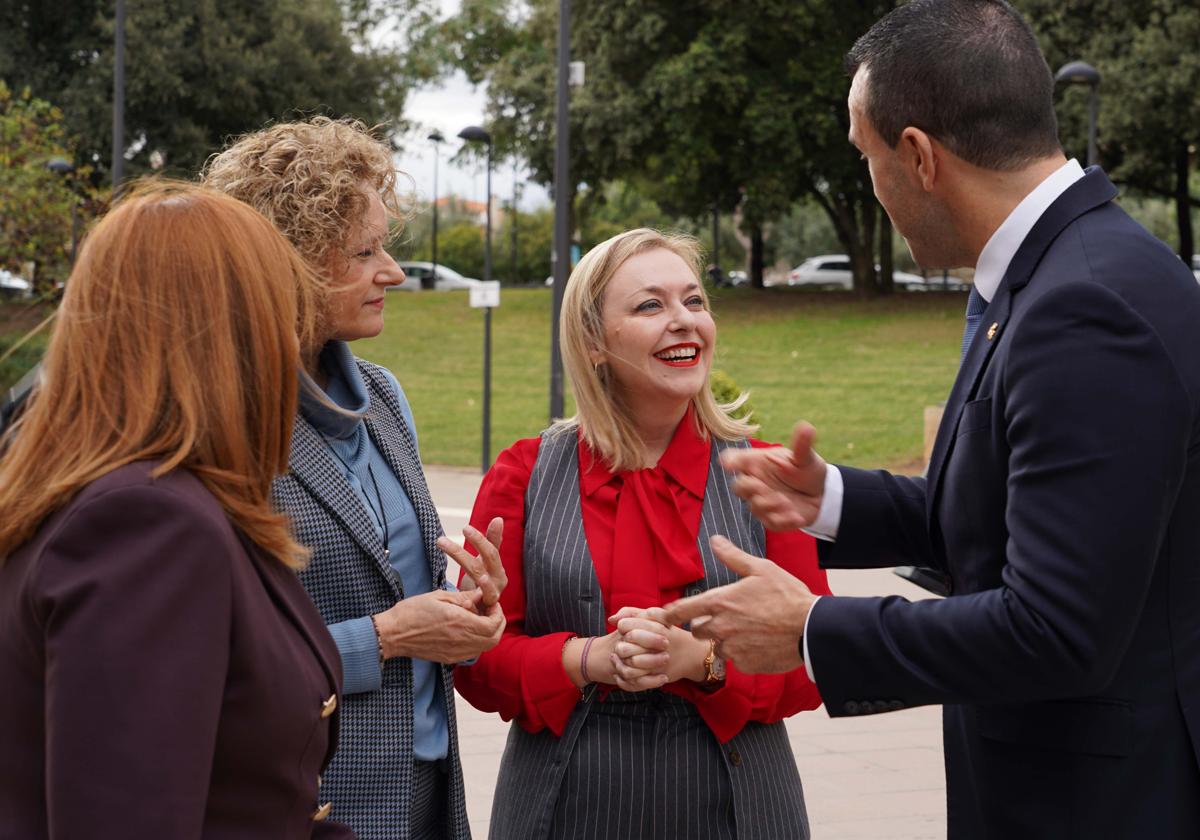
(967, 72)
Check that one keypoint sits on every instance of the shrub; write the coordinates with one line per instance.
(725, 391)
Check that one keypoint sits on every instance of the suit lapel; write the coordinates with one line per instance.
(314, 468)
(992, 324)
(391, 436)
(1086, 194)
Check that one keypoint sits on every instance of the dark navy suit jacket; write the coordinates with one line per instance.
(159, 676)
(1063, 501)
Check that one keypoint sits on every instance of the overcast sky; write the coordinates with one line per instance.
(449, 107)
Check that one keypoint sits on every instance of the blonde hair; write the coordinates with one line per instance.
(175, 341)
(307, 177)
(605, 424)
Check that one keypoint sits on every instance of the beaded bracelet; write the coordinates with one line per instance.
(583, 660)
(378, 643)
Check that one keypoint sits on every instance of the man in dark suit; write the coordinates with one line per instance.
(1063, 495)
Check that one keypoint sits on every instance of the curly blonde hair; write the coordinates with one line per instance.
(305, 177)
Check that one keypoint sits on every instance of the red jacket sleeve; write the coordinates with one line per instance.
(522, 678)
(765, 698)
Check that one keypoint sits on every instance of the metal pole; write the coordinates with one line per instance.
(487, 388)
(487, 244)
(1093, 107)
(562, 196)
(487, 324)
(515, 204)
(436, 154)
(118, 128)
(716, 252)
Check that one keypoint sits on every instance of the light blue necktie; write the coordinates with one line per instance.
(975, 308)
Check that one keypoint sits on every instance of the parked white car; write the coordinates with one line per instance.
(832, 271)
(447, 278)
(13, 285)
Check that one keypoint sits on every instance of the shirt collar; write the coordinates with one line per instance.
(685, 461)
(1006, 241)
(344, 389)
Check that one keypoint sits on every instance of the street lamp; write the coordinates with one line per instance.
(1082, 73)
(475, 134)
(437, 139)
(562, 194)
(62, 166)
(118, 126)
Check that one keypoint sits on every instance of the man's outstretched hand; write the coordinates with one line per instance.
(784, 487)
(757, 621)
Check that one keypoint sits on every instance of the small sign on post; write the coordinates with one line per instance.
(485, 294)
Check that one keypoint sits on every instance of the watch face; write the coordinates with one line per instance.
(718, 668)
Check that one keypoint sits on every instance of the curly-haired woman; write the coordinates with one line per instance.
(357, 493)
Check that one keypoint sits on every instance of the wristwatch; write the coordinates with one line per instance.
(714, 666)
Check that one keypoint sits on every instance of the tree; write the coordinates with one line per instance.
(695, 102)
(37, 206)
(199, 71)
(1149, 122)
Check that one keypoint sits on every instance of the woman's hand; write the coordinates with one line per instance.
(485, 571)
(650, 653)
(440, 626)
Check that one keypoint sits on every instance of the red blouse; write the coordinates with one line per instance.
(634, 522)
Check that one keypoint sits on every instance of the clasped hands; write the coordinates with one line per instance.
(644, 652)
(450, 627)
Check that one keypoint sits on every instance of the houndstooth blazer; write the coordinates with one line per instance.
(370, 778)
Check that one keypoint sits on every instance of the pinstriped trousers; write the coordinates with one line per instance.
(645, 766)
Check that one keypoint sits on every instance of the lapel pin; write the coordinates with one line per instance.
(992, 330)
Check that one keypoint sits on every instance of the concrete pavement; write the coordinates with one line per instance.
(877, 776)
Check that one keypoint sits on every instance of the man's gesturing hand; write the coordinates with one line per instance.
(783, 487)
(757, 621)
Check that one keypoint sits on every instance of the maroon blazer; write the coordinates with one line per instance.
(159, 676)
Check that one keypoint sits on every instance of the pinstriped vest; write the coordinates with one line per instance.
(370, 779)
(562, 593)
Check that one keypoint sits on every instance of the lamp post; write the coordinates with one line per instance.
(1082, 73)
(516, 203)
(716, 236)
(475, 134)
(437, 139)
(118, 127)
(562, 196)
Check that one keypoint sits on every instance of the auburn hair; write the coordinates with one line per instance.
(604, 422)
(175, 341)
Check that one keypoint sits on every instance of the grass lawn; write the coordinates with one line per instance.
(861, 372)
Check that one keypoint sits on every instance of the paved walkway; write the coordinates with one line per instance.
(877, 776)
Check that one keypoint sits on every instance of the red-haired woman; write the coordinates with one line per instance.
(164, 674)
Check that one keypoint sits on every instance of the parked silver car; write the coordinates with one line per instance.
(832, 271)
(447, 278)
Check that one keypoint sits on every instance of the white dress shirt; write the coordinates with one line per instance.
(993, 262)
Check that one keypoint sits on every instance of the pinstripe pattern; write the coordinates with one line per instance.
(370, 780)
(636, 765)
